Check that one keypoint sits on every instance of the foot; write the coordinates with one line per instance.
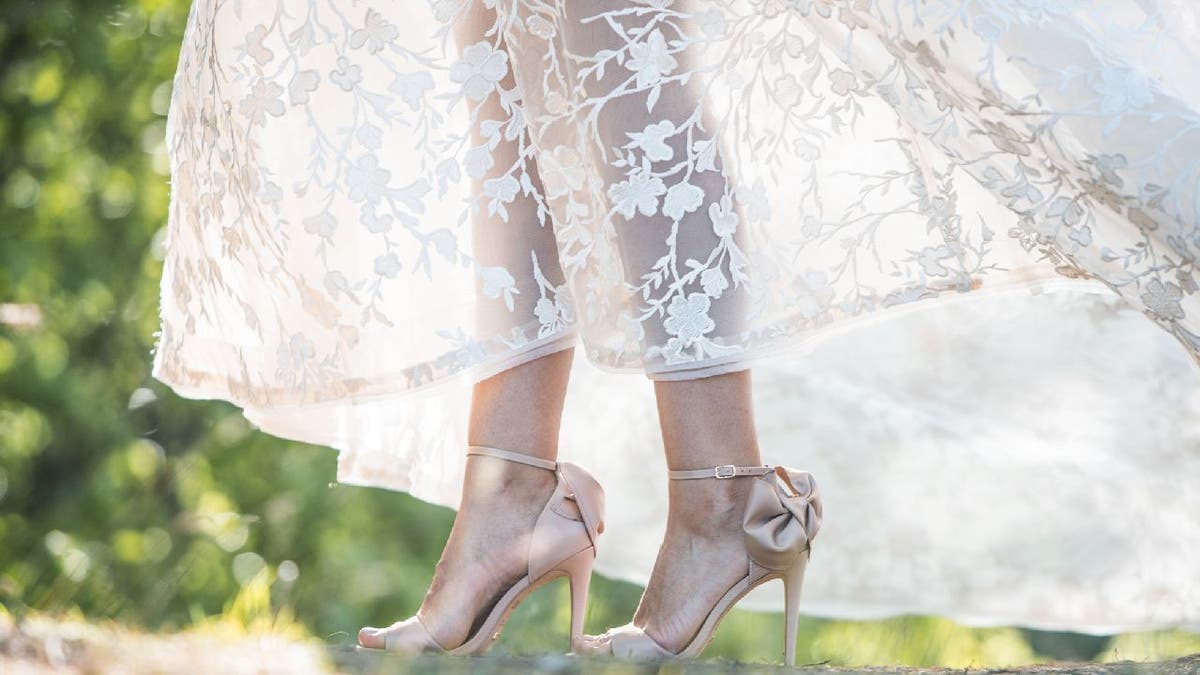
(701, 557)
(486, 552)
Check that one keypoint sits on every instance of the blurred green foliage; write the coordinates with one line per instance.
(123, 501)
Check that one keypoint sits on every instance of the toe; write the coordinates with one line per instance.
(592, 644)
(370, 637)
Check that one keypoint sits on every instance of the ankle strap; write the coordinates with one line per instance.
(723, 471)
(520, 458)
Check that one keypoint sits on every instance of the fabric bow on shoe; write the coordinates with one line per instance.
(783, 514)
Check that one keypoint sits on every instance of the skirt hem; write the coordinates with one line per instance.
(203, 385)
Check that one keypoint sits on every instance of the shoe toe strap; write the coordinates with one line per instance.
(409, 635)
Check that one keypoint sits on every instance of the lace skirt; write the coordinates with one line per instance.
(376, 204)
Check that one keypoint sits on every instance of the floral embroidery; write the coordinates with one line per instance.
(639, 193)
(682, 198)
(263, 100)
(651, 140)
(651, 60)
(480, 70)
(676, 183)
(687, 319)
(562, 171)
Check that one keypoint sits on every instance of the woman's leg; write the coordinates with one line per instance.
(705, 422)
(519, 410)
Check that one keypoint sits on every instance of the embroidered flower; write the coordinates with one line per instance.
(905, 295)
(688, 318)
(545, 311)
(1163, 299)
(411, 87)
(376, 224)
(477, 161)
(682, 198)
(445, 10)
(375, 33)
(787, 90)
(370, 136)
(652, 140)
(503, 188)
(1006, 138)
(366, 180)
(650, 59)
(501, 191)
(480, 70)
(322, 225)
(713, 281)
(1066, 210)
(639, 193)
(497, 281)
(554, 313)
(262, 100)
(561, 171)
(1081, 235)
(539, 26)
(254, 45)
(806, 150)
(347, 76)
(724, 220)
(556, 103)
(1108, 165)
(842, 82)
(387, 265)
(303, 83)
(930, 259)
(336, 283)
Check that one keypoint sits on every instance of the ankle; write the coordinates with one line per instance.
(708, 507)
(490, 480)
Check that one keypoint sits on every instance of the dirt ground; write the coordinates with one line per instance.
(42, 645)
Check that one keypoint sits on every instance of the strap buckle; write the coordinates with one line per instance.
(725, 471)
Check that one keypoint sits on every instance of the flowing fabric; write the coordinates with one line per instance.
(375, 205)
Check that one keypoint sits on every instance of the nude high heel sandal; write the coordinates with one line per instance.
(562, 543)
(783, 514)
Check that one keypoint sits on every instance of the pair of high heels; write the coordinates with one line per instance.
(782, 516)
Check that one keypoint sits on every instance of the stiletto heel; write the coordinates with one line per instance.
(782, 517)
(792, 580)
(562, 543)
(579, 573)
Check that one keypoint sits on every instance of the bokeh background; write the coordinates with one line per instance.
(121, 501)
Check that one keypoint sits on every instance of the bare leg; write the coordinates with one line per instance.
(705, 422)
(519, 409)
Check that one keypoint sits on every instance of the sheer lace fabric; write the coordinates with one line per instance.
(375, 205)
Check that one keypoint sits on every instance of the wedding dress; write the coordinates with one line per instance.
(955, 240)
